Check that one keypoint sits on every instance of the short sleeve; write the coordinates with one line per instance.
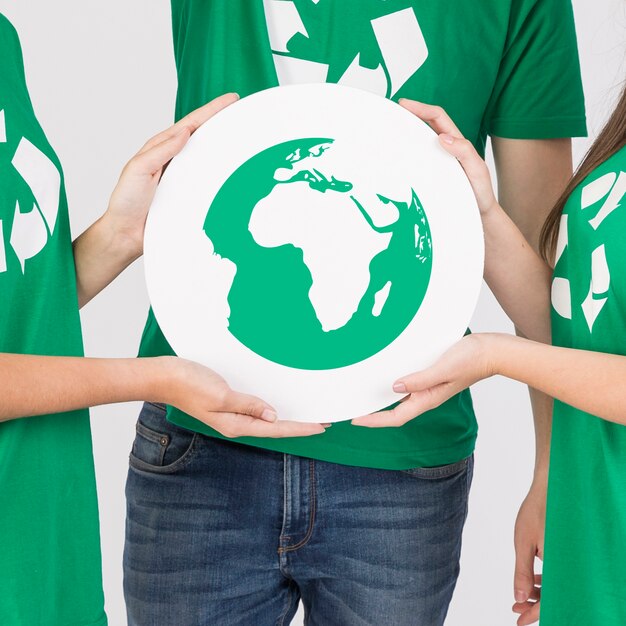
(538, 92)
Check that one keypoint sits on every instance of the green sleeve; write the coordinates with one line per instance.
(538, 92)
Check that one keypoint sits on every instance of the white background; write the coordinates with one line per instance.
(102, 79)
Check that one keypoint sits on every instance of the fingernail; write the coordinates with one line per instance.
(269, 416)
(399, 387)
(520, 595)
(326, 425)
(236, 95)
(449, 139)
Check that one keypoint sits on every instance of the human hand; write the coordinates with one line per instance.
(452, 140)
(467, 362)
(205, 395)
(133, 195)
(529, 541)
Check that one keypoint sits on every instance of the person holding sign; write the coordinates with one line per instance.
(332, 520)
(50, 565)
(583, 240)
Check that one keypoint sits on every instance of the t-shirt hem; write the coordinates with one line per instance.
(101, 621)
(539, 128)
(394, 461)
(410, 459)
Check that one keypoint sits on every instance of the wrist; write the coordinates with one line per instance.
(122, 241)
(540, 476)
(538, 494)
(490, 349)
(159, 379)
(496, 351)
(489, 211)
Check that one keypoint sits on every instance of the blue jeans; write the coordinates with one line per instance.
(222, 534)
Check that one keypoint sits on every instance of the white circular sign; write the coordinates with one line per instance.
(312, 244)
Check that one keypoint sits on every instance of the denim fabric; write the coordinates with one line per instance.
(221, 534)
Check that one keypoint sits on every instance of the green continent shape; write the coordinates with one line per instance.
(271, 312)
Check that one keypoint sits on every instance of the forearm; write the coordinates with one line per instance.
(590, 381)
(542, 406)
(38, 385)
(101, 254)
(518, 277)
(531, 176)
(116, 239)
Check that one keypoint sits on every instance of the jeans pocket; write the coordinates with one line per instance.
(441, 471)
(159, 445)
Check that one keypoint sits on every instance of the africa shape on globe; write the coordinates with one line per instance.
(329, 268)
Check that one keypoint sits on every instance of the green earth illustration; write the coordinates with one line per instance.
(311, 295)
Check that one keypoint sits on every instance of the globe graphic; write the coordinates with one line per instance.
(319, 282)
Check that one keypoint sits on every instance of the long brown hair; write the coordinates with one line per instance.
(610, 140)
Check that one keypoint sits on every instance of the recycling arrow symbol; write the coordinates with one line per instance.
(399, 37)
(610, 188)
(32, 227)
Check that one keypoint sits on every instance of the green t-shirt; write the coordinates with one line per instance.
(585, 555)
(500, 67)
(50, 564)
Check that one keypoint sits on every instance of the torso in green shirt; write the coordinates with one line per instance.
(585, 555)
(50, 566)
(501, 67)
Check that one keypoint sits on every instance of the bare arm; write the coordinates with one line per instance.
(113, 242)
(38, 385)
(562, 373)
(532, 174)
(531, 177)
(101, 254)
(516, 274)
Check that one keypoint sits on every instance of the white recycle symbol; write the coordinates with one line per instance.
(399, 38)
(31, 230)
(611, 186)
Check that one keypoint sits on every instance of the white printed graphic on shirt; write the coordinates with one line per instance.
(612, 202)
(3, 257)
(283, 22)
(611, 187)
(33, 226)
(598, 290)
(399, 37)
(562, 297)
(596, 190)
(29, 234)
(3, 129)
(42, 177)
(291, 71)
